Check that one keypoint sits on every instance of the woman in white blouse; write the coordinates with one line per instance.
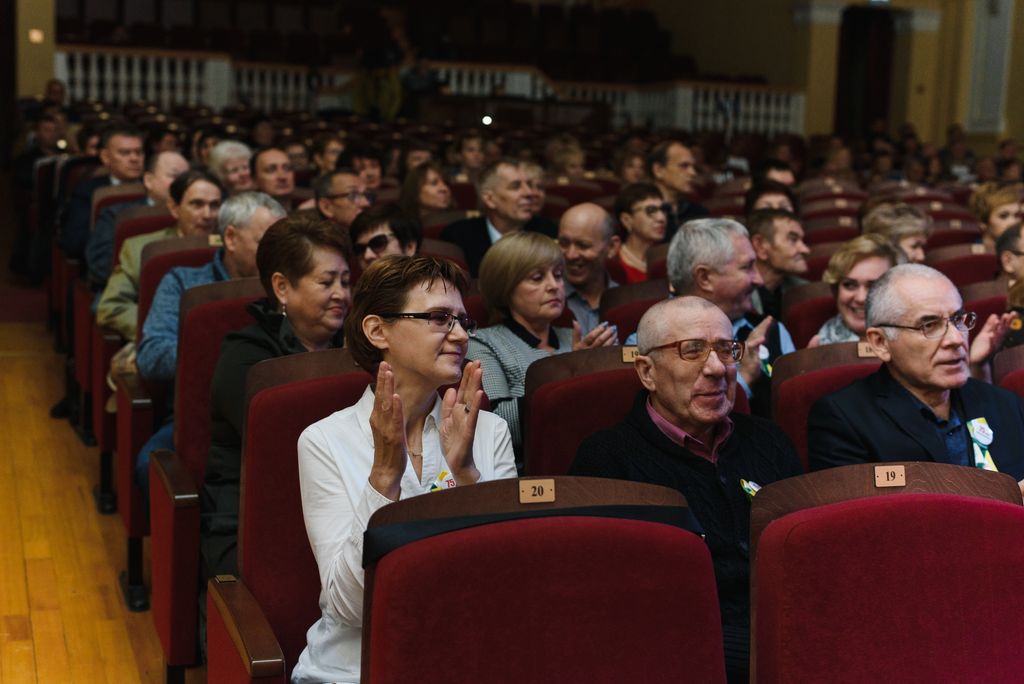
(408, 326)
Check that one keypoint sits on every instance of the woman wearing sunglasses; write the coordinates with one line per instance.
(409, 328)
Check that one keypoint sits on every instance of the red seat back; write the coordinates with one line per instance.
(154, 268)
(464, 194)
(1014, 381)
(970, 268)
(139, 225)
(627, 316)
(877, 574)
(647, 611)
(274, 556)
(804, 319)
(794, 396)
(200, 335)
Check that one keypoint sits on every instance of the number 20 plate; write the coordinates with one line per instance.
(536, 491)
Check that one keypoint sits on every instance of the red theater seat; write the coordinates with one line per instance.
(804, 376)
(874, 589)
(964, 264)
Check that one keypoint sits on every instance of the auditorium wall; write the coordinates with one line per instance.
(34, 60)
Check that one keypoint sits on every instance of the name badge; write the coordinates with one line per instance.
(444, 480)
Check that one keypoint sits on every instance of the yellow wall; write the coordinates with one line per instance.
(35, 61)
(1015, 83)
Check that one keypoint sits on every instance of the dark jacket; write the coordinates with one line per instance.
(471, 235)
(272, 336)
(875, 419)
(74, 233)
(757, 451)
(678, 214)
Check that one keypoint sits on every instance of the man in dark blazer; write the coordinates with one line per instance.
(505, 197)
(922, 404)
(121, 152)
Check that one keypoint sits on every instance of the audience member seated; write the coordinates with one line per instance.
(586, 236)
(162, 139)
(262, 132)
(340, 196)
(851, 272)
(195, 198)
(241, 222)
(469, 147)
(775, 170)
(778, 241)
(384, 230)
(411, 155)
(366, 161)
(769, 195)
(326, 149)
(425, 192)
(672, 166)
(121, 154)
(303, 266)
(903, 225)
(1010, 256)
(922, 404)
(629, 167)
(713, 259)
(229, 162)
(409, 328)
(521, 283)
(273, 174)
(641, 212)
(506, 201)
(297, 153)
(161, 170)
(997, 206)
(538, 197)
(203, 143)
(681, 434)
(569, 162)
(1015, 304)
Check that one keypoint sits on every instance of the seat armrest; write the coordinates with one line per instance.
(175, 482)
(132, 390)
(241, 643)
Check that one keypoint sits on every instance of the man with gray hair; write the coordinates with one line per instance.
(586, 236)
(242, 221)
(681, 433)
(922, 404)
(713, 258)
(507, 202)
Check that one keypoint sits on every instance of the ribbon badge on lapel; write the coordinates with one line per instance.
(981, 437)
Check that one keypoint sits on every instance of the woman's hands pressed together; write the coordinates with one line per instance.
(459, 412)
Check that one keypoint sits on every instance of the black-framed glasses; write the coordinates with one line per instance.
(439, 321)
(729, 352)
(352, 196)
(935, 328)
(651, 209)
(376, 243)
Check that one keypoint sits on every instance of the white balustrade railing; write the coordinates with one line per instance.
(120, 75)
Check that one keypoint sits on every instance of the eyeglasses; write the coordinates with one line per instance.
(729, 351)
(376, 243)
(352, 196)
(935, 328)
(651, 209)
(439, 321)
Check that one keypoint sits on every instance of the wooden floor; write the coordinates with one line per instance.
(61, 614)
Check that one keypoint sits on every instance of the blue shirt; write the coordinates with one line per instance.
(157, 353)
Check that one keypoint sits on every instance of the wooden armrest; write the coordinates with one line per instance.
(176, 481)
(133, 390)
(248, 627)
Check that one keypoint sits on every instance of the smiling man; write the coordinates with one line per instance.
(922, 404)
(681, 433)
(586, 236)
(778, 241)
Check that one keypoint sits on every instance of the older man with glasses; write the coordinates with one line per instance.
(681, 433)
(923, 403)
(341, 196)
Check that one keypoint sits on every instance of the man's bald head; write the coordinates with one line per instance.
(589, 215)
(586, 235)
(658, 323)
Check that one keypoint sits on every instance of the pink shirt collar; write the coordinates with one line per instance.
(688, 441)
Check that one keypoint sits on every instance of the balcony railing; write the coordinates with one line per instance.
(167, 77)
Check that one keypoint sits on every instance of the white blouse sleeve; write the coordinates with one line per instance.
(335, 523)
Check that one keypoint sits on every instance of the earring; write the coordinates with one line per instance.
(284, 310)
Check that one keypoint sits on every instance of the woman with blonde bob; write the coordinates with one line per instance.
(229, 162)
(521, 283)
(409, 328)
(997, 206)
(907, 228)
(851, 272)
